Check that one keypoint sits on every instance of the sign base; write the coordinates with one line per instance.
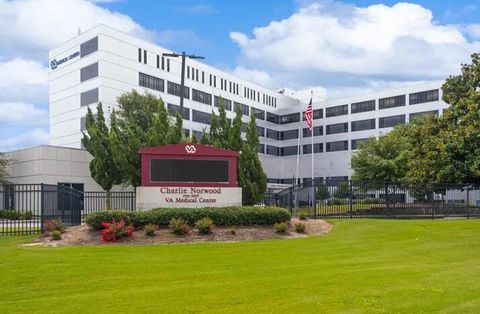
(149, 197)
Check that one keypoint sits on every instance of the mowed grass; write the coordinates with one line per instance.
(362, 266)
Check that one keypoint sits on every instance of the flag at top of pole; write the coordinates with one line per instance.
(308, 115)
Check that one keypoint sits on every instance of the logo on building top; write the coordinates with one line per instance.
(190, 149)
(55, 63)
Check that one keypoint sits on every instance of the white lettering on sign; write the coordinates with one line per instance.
(155, 197)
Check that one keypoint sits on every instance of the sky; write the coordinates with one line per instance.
(348, 47)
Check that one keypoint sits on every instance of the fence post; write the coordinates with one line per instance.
(42, 206)
(290, 198)
(433, 202)
(314, 188)
(468, 203)
(350, 205)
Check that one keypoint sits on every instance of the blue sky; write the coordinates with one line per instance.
(348, 47)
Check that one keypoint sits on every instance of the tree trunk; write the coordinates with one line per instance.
(108, 205)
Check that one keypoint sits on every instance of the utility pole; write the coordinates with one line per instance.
(182, 75)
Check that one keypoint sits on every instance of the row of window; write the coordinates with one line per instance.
(199, 76)
(334, 146)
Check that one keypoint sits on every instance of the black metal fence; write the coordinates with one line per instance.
(26, 208)
(359, 199)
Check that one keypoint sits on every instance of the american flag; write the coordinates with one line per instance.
(308, 115)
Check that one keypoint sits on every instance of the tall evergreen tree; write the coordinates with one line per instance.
(103, 168)
(223, 125)
(213, 133)
(3, 169)
(252, 178)
(235, 141)
(175, 134)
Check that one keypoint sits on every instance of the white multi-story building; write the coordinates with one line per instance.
(102, 63)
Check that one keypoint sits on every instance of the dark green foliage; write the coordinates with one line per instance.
(55, 235)
(300, 227)
(204, 225)
(104, 169)
(221, 216)
(235, 141)
(178, 226)
(15, 215)
(343, 190)
(281, 227)
(252, 178)
(150, 230)
(322, 192)
(3, 169)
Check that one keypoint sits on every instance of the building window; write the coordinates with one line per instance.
(261, 148)
(89, 97)
(151, 82)
(317, 131)
(273, 134)
(273, 118)
(173, 109)
(362, 125)
(244, 127)
(288, 135)
(139, 54)
(424, 113)
(258, 113)
(356, 143)
(392, 121)
(337, 128)
(290, 118)
(337, 146)
(163, 63)
(260, 131)
(363, 106)
(336, 111)
(227, 104)
(202, 97)
(203, 77)
(289, 150)
(317, 148)
(423, 97)
(391, 102)
(196, 75)
(198, 134)
(145, 57)
(158, 61)
(188, 72)
(89, 72)
(272, 150)
(168, 65)
(174, 89)
(88, 47)
(201, 117)
(243, 108)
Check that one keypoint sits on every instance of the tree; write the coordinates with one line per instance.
(447, 148)
(175, 133)
(235, 141)
(223, 126)
(322, 192)
(213, 134)
(343, 190)
(3, 169)
(103, 168)
(252, 178)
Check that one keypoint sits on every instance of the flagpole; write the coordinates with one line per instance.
(313, 187)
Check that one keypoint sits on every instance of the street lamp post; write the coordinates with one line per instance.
(182, 77)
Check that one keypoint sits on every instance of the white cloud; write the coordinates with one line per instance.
(355, 46)
(260, 77)
(34, 137)
(39, 25)
(473, 30)
(22, 113)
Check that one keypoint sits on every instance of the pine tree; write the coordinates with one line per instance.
(159, 131)
(204, 140)
(213, 134)
(252, 178)
(235, 141)
(223, 126)
(175, 134)
(3, 169)
(103, 168)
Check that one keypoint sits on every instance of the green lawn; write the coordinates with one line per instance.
(362, 266)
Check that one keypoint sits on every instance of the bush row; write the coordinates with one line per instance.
(221, 216)
(15, 215)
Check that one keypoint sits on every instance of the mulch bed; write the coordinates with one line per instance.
(84, 235)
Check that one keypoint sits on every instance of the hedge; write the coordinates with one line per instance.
(221, 216)
(15, 215)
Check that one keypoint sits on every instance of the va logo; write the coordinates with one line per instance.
(53, 64)
(190, 149)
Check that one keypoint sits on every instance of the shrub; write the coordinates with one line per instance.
(204, 225)
(221, 216)
(300, 227)
(27, 215)
(281, 227)
(150, 230)
(115, 230)
(54, 225)
(302, 216)
(56, 235)
(15, 215)
(178, 226)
